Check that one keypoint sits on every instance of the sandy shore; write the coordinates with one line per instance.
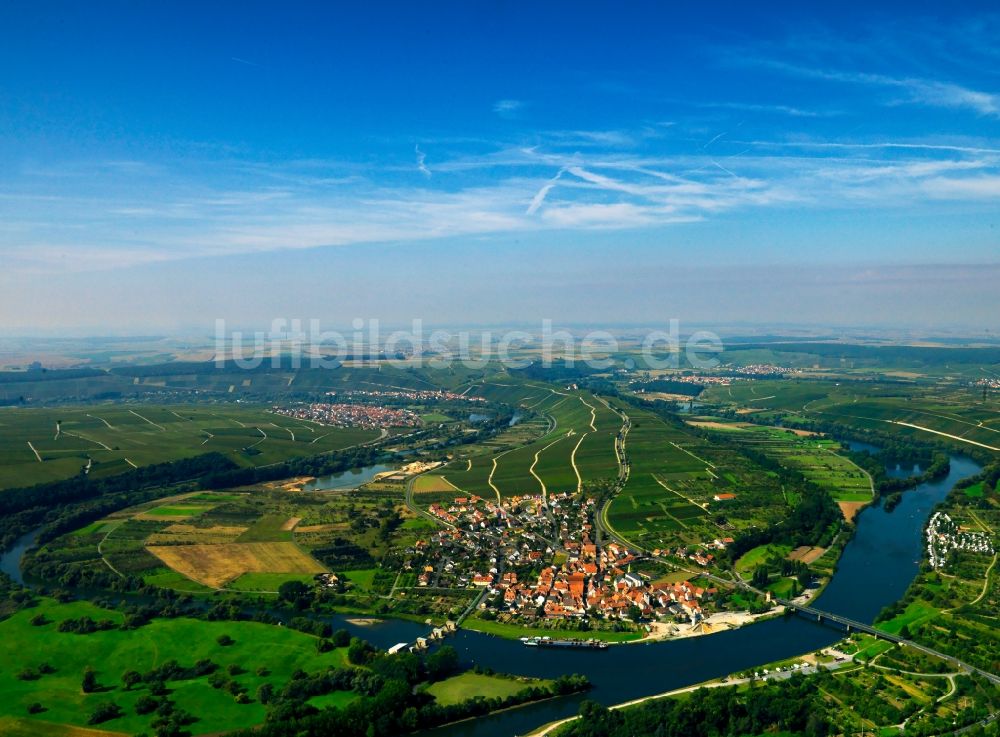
(719, 622)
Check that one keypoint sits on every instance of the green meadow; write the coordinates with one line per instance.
(464, 686)
(266, 653)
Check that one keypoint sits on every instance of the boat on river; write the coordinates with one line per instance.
(549, 642)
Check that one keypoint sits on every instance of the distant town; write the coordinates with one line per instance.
(409, 395)
(369, 416)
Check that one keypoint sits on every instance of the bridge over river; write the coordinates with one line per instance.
(851, 624)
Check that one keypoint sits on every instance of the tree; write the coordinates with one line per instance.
(225, 640)
(265, 692)
(294, 592)
(359, 652)
(442, 662)
(760, 577)
(104, 712)
(131, 678)
(89, 683)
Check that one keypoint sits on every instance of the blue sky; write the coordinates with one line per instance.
(167, 164)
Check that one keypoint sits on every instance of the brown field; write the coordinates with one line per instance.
(851, 509)
(189, 535)
(717, 425)
(290, 523)
(430, 484)
(189, 511)
(14, 727)
(667, 396)
(214, 565)
(802, 433)
(806, 554)
(321, 528)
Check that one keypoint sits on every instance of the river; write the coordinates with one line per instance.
(896, 471)
(877, 565)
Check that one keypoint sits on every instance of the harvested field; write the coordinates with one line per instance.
(173, 511)
(802, 433)
(431, 484)
(190, 535)
(717, 425)
(15, 727)
(214, 565)
(851, 509)
(321, 528)
(806, 554)
(290, 523)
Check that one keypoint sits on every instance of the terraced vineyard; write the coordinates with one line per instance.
(568, 441)
(39, 445)
(958, 415)
(814, 457)
(685, 490)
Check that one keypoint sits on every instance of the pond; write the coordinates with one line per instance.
(347, 479)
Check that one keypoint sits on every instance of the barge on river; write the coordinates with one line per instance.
(549, 642)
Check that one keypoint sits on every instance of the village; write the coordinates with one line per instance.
(408, 395)
(537, 559)
(944, 535)
(367, 416)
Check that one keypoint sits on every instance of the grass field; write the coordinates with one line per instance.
(432, 483)
(216, 565)
(279, 650)
(915, 614)
(514, 632)
(466, 685)
(759, 555)
(266, 582)
(44, 444)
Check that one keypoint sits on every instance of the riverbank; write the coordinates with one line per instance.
(711, 625)
(514, 632)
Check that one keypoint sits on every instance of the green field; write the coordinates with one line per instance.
(466, 685)
(515, 632)
(915, 614)
(116, 438)
(110, 653)
(945, 413)
(759, 555)
(814, 457)
(264, 582)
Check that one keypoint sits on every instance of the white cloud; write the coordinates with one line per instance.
(542, 193)
(507, 108)
(928, 92)
(141, 214)
(421, 159)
